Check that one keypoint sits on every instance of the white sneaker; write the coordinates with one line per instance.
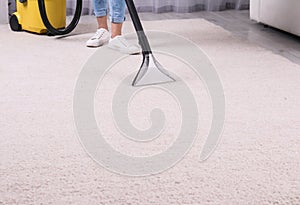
(121, 44)
(100, 38)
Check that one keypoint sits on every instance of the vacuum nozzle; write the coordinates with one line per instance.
(151, 72)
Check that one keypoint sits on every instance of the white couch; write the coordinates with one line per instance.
(281, 14)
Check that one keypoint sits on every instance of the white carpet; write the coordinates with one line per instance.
(42, 161)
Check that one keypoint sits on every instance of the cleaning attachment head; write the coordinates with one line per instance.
(151, 72)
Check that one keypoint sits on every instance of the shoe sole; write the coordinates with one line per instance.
(123, 51)
(96, 46)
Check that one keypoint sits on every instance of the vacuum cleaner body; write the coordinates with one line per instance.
(28, 18)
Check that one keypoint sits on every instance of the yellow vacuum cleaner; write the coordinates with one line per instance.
(44, 16)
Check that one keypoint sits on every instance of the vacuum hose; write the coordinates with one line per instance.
(69, 28)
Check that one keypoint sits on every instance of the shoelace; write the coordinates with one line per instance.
(98, 34)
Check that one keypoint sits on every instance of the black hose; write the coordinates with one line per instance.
(69, 28)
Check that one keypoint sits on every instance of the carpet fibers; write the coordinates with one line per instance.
(42, 161)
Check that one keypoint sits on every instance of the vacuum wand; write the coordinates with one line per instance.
(138, 27)
(151, 71)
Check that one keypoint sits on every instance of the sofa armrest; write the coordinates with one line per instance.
(255, 10)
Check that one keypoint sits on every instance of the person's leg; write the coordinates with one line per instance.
(116, 29)
(100, 10)
(102, 35)
(102, 22)
(117, 16)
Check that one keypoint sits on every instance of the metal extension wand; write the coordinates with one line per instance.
(151, 71)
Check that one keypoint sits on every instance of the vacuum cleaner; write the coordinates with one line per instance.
(44, 16)
(49, 16)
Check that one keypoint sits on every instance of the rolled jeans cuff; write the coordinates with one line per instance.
(101, 13)
(117, 19)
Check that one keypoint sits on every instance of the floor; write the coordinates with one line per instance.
(239, 24)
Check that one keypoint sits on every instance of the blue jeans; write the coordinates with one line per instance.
(116, 9)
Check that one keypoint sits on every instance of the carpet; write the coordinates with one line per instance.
(43, 162)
